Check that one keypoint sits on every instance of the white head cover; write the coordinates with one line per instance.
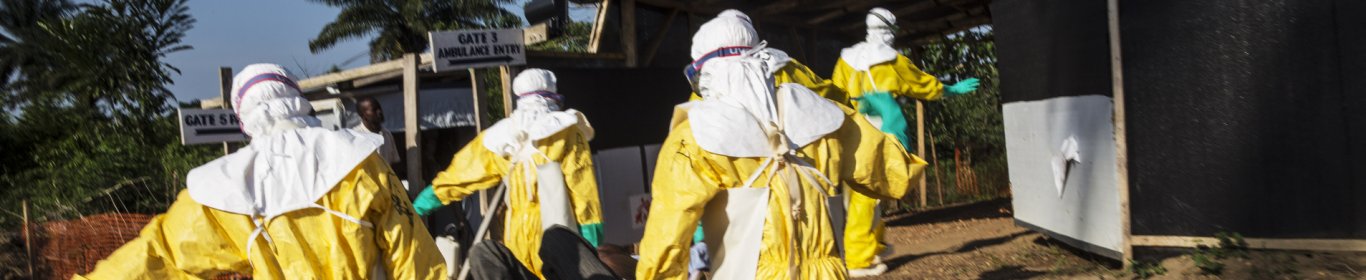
(537, 115)
(290, 162)
(731, 28)
(877, 46)
(266, 100)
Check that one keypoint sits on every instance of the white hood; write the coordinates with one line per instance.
(740, 109)
(286, 171)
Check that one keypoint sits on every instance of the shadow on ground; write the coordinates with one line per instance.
(967, 247)
(979, 210)
(1010, 272)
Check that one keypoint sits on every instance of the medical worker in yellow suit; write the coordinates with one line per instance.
(299, 202)
(756, 165)
(514, 151)
(785, 68)
(873, 74)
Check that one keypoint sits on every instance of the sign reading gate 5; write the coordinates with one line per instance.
(458, 50)
(209, 126)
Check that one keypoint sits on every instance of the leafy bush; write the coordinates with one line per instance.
(1145, 270)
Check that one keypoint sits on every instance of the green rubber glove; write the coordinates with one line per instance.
(592, 233)
(883, 105)
(426, 202)
(698, 236)
(962, 87)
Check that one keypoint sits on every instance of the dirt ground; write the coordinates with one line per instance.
(981, 241)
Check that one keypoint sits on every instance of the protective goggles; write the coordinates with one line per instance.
(547, 94)
(887, 22)
(692, 70)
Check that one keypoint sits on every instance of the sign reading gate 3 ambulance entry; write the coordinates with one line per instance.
(199, 126)
(458, 50)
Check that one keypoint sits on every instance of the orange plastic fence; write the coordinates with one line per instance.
(75, 246)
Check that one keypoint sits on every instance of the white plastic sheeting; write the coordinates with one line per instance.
(1086, 207)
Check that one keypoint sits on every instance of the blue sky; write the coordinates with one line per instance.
(241, 32)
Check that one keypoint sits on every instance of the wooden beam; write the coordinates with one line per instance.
(356, 73)
(908, 26)
(713, 10)
(595, 37)
(611, 56)
(628, 32)
(1347, 245)
(841, 8)
(365, 81)
(658, 40)
(1121, 133)
(925, 38)
(777, 7)
(411, 130)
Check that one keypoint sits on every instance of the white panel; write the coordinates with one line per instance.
(620, 176)
(1087, 209)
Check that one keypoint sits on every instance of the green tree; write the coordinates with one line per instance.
(970, 124)
(401, 26)
(21, 35)
(89, 115)
(574, 39)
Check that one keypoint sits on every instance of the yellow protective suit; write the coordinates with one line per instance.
(796, 72)
(476, 168)
(192, 241)
(863, 230)
(688, 177)
(900, 77)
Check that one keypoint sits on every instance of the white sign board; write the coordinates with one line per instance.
(463, 49)
(199, 126)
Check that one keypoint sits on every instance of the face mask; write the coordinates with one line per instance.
(883, 36)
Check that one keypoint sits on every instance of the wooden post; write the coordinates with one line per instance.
(920, 144)
(658, 40)
(478, 108)
(506, 74)
(1121, 133)
(934, 163)
(628, 32)
(478, 127)
(410, 119)
(28, 245)
(225, 92)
